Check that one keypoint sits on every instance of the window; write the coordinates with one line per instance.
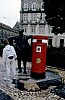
(61, 42)
(2, 33)
(41, 29)
(33, 29)
(34, 6)
(25, 6)
(34, 17)
(25, 17)
(50, 29)
(0, 41)
(43, 18)
(25, 29)
(42, 6)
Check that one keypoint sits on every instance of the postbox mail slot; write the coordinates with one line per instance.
(38, 49)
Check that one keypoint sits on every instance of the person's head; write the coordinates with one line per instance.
(21, 32)
(6, 42)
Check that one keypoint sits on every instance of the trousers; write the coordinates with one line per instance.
(11, 67)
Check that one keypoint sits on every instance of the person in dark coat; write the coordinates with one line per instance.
(22, 49)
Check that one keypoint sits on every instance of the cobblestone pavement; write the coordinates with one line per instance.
(11, 93)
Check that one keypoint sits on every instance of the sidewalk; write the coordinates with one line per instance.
(7, 89)
(9, 92)
(1, 61)
(3, 68)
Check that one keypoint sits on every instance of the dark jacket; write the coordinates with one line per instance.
(23, 49)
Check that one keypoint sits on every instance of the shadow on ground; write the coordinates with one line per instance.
(4, 96)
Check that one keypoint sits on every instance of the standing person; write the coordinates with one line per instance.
(9, 57)
(22, 49)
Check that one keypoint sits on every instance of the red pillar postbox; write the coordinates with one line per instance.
(39, 46)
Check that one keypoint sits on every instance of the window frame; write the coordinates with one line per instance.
(25, 17)
(33, 28)
(25, 6)
(34, 6)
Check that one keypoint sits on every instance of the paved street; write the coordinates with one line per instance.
(9, 92)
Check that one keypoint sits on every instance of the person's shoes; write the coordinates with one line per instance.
(25, 72)
(14, 81)
(19, 71)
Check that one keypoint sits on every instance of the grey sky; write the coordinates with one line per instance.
(10, 11)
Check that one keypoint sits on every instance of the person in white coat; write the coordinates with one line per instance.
(9, 57)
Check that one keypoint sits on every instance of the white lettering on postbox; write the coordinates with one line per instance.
(34, 40)
(38, 49)
(44, 41)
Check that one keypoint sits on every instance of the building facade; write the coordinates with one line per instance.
(32, 16)
(32, 20)
(6, 31)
